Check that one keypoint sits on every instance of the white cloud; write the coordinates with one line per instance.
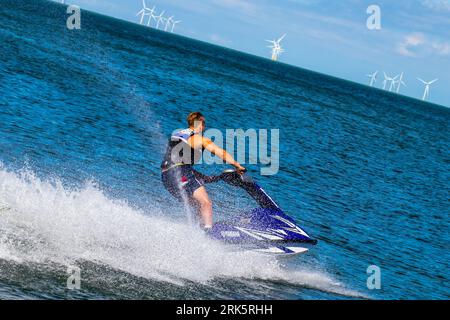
(417, 44)
(409, 43)
(442, 48)
(437, 4)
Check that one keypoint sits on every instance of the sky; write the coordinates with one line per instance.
(327, 36)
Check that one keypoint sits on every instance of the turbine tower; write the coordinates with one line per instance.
(169, 21)
(143, 12)
(389, 79)
(426, 94)
(400, 83)
(277, 50)
(175, 23)
(373, 78)
(386, 79)
(393, 82)
(151, 15)
(160, 19)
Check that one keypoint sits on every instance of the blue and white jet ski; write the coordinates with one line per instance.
(266, 229)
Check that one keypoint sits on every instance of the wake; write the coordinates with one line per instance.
(45, 222)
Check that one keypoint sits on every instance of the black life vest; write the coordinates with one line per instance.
(179, 152)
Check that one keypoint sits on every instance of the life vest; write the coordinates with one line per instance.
(182, 135)
(177, 148)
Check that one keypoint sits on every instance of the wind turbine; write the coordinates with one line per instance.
(373, 78)
(385, 82)
(400, 83)
(143, 12)
(174, 23)
(386, 79)
(393, 82)
(151, 15)
(170, 20)
(276, 47)
(160, 19)
(277, 51)
(426, 94)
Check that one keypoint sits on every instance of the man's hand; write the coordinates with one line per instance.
(240, 169)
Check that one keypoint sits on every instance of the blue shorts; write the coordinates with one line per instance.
(181, 182)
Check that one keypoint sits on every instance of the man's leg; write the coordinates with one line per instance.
(201, 196)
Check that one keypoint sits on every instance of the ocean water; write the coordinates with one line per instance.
(84, 119)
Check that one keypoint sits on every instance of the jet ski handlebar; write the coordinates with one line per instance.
(235, 177)
(231, 176)
(245, 182)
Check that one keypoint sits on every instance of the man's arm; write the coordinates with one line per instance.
(225, 156)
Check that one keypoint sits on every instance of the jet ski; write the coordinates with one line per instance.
(266, 229)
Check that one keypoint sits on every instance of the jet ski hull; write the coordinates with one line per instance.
(266, 229)
(261, 226)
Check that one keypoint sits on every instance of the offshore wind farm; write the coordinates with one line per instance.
(166, 23)
(394, 84)
(162, 19)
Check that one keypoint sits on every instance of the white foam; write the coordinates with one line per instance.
(47, 222)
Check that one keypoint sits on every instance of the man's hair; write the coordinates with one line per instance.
(193, 117)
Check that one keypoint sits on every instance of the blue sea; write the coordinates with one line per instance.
(84, 120)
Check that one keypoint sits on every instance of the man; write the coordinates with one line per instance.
(178, 176)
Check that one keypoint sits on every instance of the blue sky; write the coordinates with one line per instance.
(328, 36)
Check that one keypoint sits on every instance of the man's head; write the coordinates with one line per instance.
(196, 121)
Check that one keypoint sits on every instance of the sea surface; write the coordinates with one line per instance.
(84, 120)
